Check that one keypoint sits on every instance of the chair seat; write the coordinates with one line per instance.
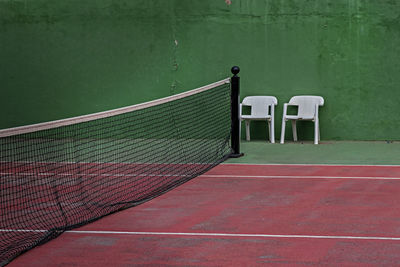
(294, 117)
(250, 117)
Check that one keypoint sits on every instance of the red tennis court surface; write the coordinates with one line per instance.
(247, 215)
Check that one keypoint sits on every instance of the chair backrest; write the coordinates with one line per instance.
(259, 104)
(306, 104)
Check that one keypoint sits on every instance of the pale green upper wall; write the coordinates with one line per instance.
(67, 58)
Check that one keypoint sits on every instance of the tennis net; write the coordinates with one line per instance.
(59, 175)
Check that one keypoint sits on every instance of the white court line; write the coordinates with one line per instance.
(216, 234)
(209, 176)
(312, 164)
(22, 231)
(238, 235)
(298, 177)
(89, 174)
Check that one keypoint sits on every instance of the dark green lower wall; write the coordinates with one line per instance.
(68, 58)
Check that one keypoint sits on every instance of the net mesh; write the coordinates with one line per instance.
(56, 179)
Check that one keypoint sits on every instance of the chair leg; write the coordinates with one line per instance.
(240, 129)
(316, 132)
(283, 131)
(319, 134)
(272, 132)
(247, 130)
(294, 130)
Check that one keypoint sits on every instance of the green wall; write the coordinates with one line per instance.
(72, 57)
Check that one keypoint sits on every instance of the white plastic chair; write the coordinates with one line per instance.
(260, 110)
(307, 110)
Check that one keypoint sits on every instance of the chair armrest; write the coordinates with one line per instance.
(316, 112)
(285, 109)
(272, 110)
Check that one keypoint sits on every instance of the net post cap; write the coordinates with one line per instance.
(235, 70)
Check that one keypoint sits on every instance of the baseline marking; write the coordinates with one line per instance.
(215, 234)
(205, 176)
(88, 174)
(313, 164)
(238, 235)
(297, 177)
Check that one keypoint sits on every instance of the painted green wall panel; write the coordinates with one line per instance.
(79, 63)
(67, 58)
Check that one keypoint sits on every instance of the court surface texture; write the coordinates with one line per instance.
(244, 214)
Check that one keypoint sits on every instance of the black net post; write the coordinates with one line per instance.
(235, 116)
